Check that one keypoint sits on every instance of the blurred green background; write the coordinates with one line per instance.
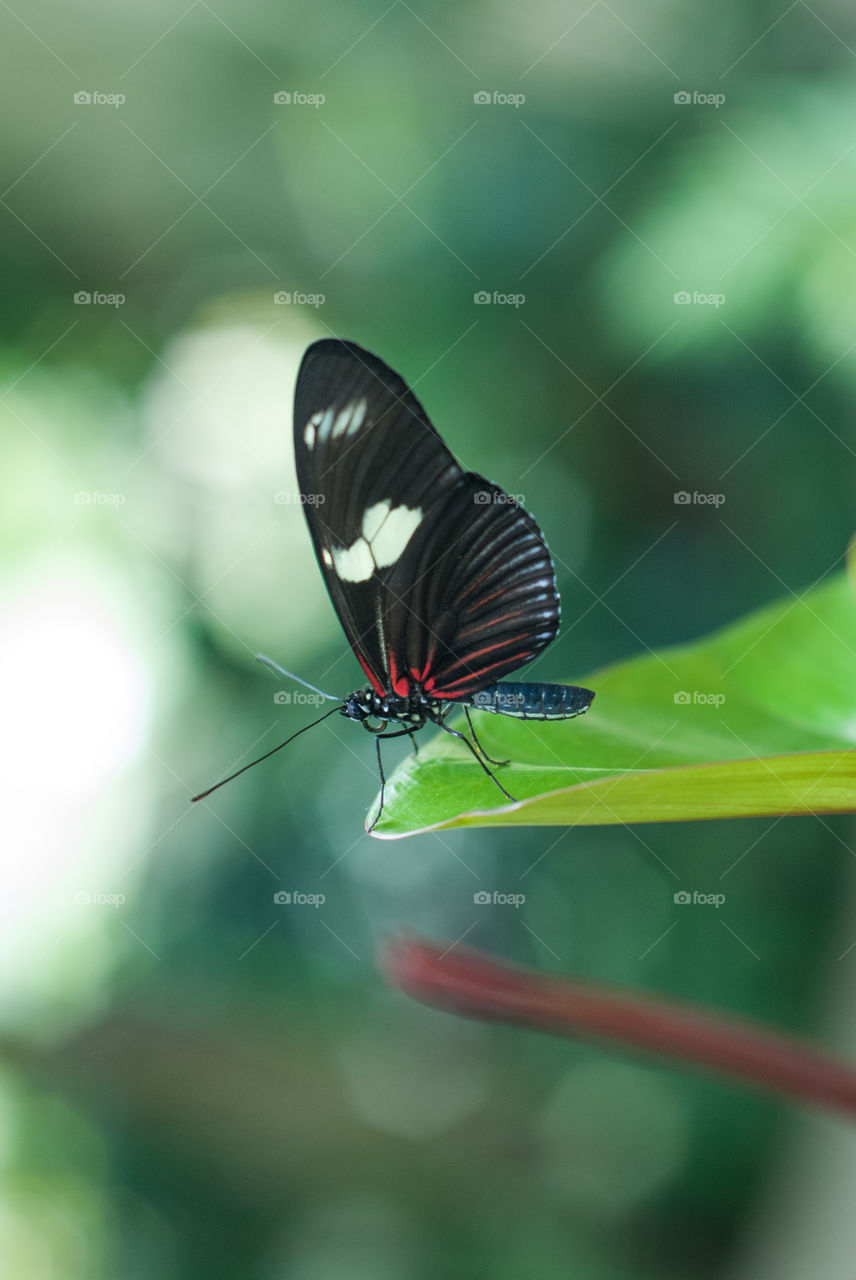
(196, 1080)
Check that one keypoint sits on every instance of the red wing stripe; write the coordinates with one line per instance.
(488, 648)
(375, 683)
(479, 604)
(517, 659)
(489, 624)
(400, 683)
(476, 678)
(491, 569)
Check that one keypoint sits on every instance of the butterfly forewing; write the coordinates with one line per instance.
(369, 464)
(439, 579)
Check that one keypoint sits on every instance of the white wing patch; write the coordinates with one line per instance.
(347, 421)
(317, 427)
(350, 419)
(374, 518)
(385, 532)
(322, 427)
(354, 564)
(393, 532)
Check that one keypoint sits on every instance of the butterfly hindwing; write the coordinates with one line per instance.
(474, 595)
(437, 576)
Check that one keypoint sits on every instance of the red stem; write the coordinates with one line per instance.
(465, 981)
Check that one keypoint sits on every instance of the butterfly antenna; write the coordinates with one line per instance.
(269, 662)
(238, 772)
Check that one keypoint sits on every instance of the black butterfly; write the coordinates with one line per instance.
(442, 582)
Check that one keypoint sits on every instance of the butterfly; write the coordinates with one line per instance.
(442, 582)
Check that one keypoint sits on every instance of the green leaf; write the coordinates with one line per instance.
(757, 719)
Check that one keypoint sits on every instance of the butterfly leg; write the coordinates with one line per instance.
(398, 733)
(376, 819)
(474, 736)
(463, 738)
(412, 737)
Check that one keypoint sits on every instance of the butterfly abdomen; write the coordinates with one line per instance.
(533, 701)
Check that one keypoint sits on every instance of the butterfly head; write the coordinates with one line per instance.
(374, 709)
(360, 705)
